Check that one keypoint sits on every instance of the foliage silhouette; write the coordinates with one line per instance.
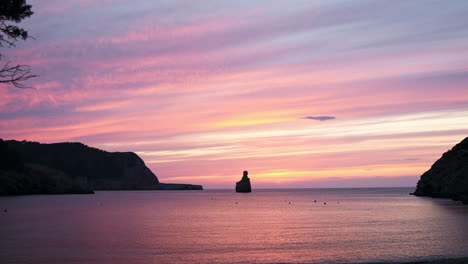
(13, 12)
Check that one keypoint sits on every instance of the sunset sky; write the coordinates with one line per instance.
(299, 93)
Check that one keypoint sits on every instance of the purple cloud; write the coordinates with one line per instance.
(320, 118)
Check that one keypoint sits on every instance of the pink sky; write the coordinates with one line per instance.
(203, 90)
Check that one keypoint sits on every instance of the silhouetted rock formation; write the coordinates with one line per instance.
(244, 184)
(448, 177)
(36, 179)
(17, 178)
(91, 168)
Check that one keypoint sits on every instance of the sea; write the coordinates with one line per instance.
(221, 226)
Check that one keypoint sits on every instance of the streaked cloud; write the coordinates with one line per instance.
(205, 90)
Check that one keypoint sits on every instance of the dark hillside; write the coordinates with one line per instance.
(448, 176)
(78, 164)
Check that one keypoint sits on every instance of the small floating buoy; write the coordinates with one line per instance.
(5, 210)
(315, 201)
(289, 202)
(236, 202)
(325, 203)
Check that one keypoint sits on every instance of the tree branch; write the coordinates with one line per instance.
(15, 75)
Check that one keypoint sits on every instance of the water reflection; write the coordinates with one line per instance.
(225, 227)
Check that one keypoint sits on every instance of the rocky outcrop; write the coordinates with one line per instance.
(37, 179)
(448, 176)
(244, 184)
(98, 169)
(17, 178)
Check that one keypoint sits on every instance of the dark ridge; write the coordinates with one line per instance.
(448, 176)
(74, 164)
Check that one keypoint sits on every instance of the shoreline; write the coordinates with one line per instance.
(460, 260)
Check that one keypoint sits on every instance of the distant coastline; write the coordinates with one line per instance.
(73, 168)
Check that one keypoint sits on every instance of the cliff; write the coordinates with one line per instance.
(448, 176)
(36, 179)
(89, 167)
(18, 178)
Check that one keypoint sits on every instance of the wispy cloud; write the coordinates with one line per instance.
(196, 77)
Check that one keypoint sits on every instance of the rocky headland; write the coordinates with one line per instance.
(448, 176)
(35, 168)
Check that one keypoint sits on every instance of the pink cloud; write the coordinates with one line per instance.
(203, 92)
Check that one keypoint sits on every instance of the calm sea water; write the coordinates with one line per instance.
(266, 226)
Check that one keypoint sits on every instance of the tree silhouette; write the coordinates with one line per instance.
(11, 13)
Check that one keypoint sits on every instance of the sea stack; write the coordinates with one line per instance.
(244, 184)
(448, 177)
